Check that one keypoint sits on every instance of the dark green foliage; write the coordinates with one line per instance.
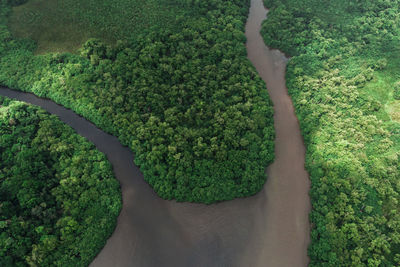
(16, 2)
(63, 25)
(188, 103)
(341, 50)
(58, 197)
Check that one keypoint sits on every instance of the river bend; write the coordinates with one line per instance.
(268, 229)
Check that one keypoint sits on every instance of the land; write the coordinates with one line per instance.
(186, 101)
(171, 80)
(59, 197)
(63, 26)
(343, 76)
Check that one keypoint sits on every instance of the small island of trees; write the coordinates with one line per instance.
(59, 200)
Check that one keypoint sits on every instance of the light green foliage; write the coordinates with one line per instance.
(341, 78)
(59, 199)
(396, 90)
(188, 103)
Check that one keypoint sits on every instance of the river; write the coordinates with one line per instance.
(268, 229)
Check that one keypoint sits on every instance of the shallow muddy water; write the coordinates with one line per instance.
(287, 229)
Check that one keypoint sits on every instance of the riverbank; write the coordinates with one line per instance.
(256, 231)
(342, 77)
(287, 227)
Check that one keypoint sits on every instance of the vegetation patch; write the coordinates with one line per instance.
(394, 111)
(187, 102)
(341, 75)
(396, 91)
(63, 25)
(59, 199)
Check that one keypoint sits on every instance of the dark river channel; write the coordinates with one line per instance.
(268, 229)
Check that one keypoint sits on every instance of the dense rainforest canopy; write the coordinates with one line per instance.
(344, 80)
(59, 199)
(186, 100)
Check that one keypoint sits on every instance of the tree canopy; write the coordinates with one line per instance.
(342, 77)
(59, 199)
(188, 103)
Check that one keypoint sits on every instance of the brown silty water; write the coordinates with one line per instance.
(268, 229)
(287, 228)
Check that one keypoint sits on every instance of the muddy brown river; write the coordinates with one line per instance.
(268, 229)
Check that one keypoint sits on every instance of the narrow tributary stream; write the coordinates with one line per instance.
(268, 229)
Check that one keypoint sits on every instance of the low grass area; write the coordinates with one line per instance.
(383, 84)
(63, 25)
(394, 110)
(393, 76)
